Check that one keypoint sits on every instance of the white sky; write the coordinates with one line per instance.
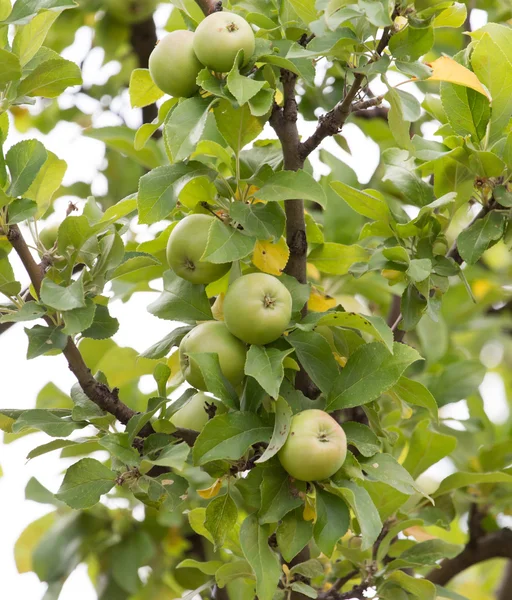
(22, 380)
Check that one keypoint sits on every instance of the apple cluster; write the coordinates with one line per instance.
(257, 310)
(177, 59)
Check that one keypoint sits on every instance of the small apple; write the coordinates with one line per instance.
(193, 415)
(173, 65)
(218, 39)
(316, 446)
(48, 235)
(185, 247)
(214, 337)
(257, 308)
(131, 11)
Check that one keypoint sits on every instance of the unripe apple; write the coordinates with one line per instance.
(316, 446)
(193, 415)
(214, 337)
(173, 65)
(219, 38)
(48, 235)
(185, 247)
(131, 11)
(257, 308)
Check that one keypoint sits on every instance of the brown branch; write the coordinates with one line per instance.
(497, 544)
(96, 391)
(209, 6)
(332, 122)
(332, 592)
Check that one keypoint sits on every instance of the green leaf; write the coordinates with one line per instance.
(463, 479)
(243, 88)
(398, 124)
(373, 207)
(28, 312)
(494, 70)
(264, 563)
(419, 588)
(122, 139)
(414, 392)
(281, 429)
(370, 371)
(287, 185)
(333, 519)
(372, 324)
(24, 160)
(162, 347)
(44, 339)
(185, 126)
(215, 381)
(425, 554)
(85, 482)
(29, 38)
(361, 503)
(134, 551)
(226, 244)
(237, 125)
(50, 78)
(181, 301)
(278, 495)
(10, 69)
(336, 259)
(146, 130)
(208, 568)
(362, 437)
(173, 456)
(479, 236)
(383, 467)
(73, 233)
(61, 297)
(238, 569)
(28, 541)
(263, 221)
(456, 381)
(143, 90)
(78, 319)
(467, 110)
(47, 421)
(159, 189)
(410, 43)
(315, 355)
(133, 261)
(419, 269)
(221, 517)
(8, 284)
(229, 436)
(50, 447)
(103, 325)
(293, 533)
(266, 366)
(119, 446)
(25, 10)
(21, 209)
(47, 181)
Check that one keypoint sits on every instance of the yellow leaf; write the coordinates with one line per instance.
(446, 69)
(309, 513)
(212, 491)
(319, 302)
(176, 377)
(313, 272)
(218, 307)
(419, 534)
(271, 257)
(288, 363)
(341, 360)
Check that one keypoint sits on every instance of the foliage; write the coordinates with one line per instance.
(400, 302)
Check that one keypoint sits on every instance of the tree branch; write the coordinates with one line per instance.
(497, 544)
(96, 391)
(332, 122)
(143, 40)
(209, 6)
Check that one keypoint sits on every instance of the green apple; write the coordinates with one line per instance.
(257, 308)
(131, 11)
(193, 415)
(214, 337)
(316, 446)
(185, 247)
(173, 65)
(219, 38)
(48, 235)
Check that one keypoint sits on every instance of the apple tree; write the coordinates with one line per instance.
(324, 341)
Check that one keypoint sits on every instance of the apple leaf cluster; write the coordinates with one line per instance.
(320, 333)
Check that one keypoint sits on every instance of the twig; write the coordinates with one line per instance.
(209, 6)
(96, 391)
(337, 585)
